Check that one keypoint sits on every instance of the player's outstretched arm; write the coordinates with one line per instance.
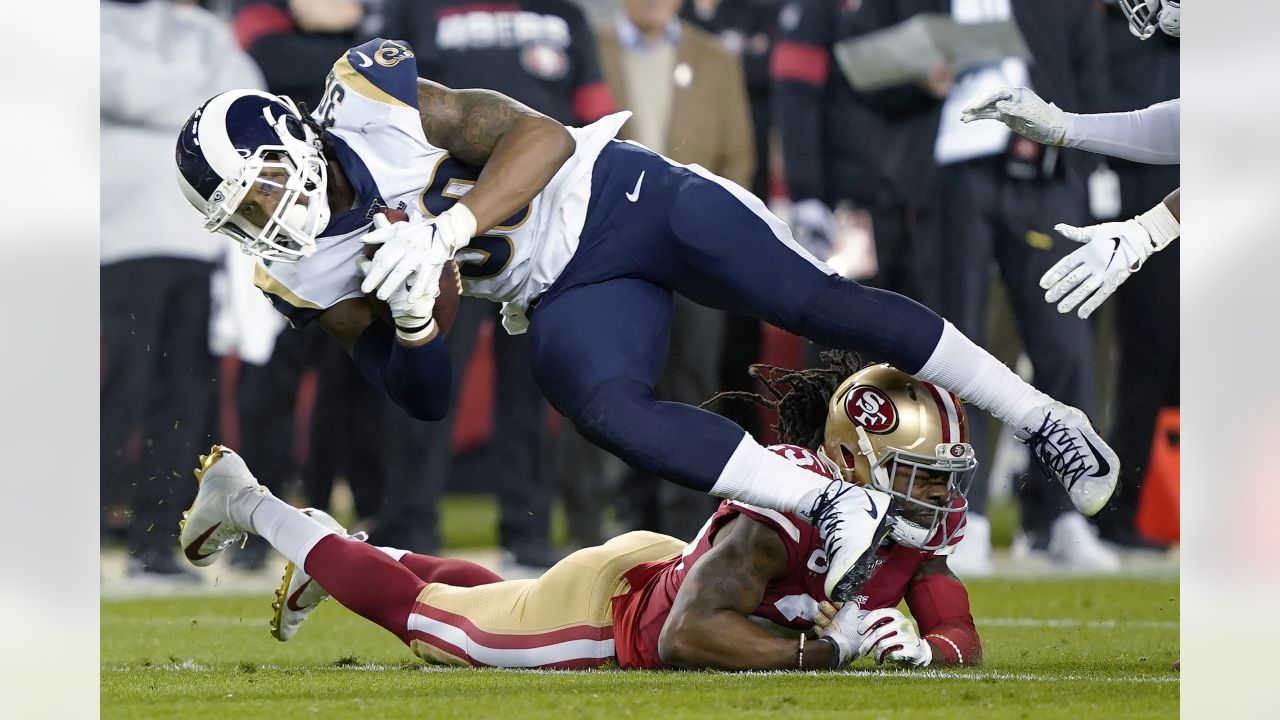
(1112, 252)
(940, 605)
(1150, 135)
(708, 625)
(519, 149)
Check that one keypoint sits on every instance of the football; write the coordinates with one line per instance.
(446, 308)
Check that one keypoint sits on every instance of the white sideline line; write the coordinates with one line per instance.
(192, 666)
(1010, 677)
(1075, 623)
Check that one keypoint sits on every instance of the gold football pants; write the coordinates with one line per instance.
(563, 619)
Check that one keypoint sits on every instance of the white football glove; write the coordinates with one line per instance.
(887, 634)
(814, 227)
(412, 318)
(840, 628)
(1023, 111)
(415, 250)
(1111, 253)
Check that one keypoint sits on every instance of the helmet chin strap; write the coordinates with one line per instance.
(879, 478)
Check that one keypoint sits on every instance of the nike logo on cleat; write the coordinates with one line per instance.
(1104, 467)
(871, 510)
(292, 602)
(192, 550)
(634, 195)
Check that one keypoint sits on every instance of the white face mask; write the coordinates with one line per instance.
(293, 174)
(955, 460)
(1145, 16)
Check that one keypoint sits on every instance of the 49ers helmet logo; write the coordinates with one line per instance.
(870, 408)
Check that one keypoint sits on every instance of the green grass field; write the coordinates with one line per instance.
(1063, 648)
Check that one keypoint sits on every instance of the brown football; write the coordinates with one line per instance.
(446, 308)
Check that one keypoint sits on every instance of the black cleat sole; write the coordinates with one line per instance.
(862, 570)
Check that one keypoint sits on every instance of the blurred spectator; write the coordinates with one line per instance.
(295, 42)
(541, 53)
(1146, 306)
(989, 200)
(159, 60)
(353, 431)
(688, 100)
(746, 29)
(836, 152)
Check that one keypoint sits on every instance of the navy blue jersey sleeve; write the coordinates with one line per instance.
(418, 379)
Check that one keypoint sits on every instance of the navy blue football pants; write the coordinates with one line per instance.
(600, 333)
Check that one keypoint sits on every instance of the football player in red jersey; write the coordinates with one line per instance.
(645, 600)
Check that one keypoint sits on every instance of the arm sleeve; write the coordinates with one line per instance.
(591, 98)
(1150, 135)
(940, 605)
(418, 379)
(798, 68)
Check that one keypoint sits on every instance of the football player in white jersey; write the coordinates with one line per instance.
(1112, 251)
(583, 239)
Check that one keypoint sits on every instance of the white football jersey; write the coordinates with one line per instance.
(370, 107)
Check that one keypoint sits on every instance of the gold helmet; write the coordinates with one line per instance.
(881, 420)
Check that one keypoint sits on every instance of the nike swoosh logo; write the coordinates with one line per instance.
(292, 602)
(192, 550)
(365, 61)
(1104, 467)
(634, 195)
(871, 510)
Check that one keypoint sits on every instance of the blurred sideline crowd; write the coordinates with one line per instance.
(193, 354)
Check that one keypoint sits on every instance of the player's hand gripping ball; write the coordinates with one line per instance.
(446, 307)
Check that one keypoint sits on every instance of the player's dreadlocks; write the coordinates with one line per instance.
(802, 406)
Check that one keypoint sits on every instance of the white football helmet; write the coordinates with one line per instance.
(1145, 16)
(246, 141)
(881, 420)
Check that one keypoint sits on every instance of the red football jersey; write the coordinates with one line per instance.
(791, 601)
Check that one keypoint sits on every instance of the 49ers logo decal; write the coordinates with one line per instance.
(872, 409)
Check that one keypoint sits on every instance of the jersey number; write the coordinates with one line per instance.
(486, 255)
(333, 95)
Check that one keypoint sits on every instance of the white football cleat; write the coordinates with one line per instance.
(297, 595)
(1069, 450)
(852, 520)
(206, 528)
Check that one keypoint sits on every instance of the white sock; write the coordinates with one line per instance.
(756, 476)
(289, 531)
(967, 370)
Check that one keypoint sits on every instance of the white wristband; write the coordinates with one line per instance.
(1161, 225)
(462, 226)
(419, 334)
